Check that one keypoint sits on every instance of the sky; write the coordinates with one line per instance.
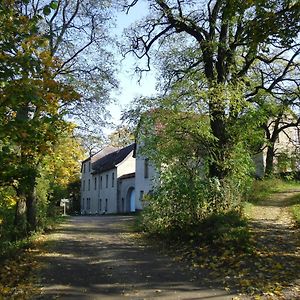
(129, 86)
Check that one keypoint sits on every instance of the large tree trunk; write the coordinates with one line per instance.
(269, 170)
(28, 182)
(219, 149)
(216, 168)
(25, 214)
(20, 217)
(31, 209)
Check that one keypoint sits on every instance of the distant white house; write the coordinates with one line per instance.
(107, 181)
(286, 151)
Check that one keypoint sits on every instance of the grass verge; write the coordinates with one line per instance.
(295, 208)
(296, 213)
(262, 189)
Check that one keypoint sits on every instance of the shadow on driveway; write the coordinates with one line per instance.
(95, 258)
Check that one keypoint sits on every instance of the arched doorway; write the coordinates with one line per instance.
(130, 200)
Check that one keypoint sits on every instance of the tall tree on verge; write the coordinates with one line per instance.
(61, 169)
(30, 103)
(78, 33)
(224, 40)
(277, 97)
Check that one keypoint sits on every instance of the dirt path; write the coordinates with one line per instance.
(95, 258)
(275, 209)
(272, 223)
(278, 243)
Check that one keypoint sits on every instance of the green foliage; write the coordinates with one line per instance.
(262, 189)
(216, 232)
(121, 137)
(32, 121)
(7, 210)
(296, 213)
(227, 229)
(179, 145)
(182, 202)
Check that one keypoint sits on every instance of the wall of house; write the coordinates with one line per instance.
(97, 198)
(107, 192)
(125, 187)
(87, 187)
(127, 166)
(143, 179)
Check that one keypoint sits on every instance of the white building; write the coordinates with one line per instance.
(145, 175)
(286, 151)
(108, 181)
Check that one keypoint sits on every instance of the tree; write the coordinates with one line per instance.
(277, 97)
(78, 33)
(30, 107)
(60, 172)
(121, 137)
(221, 42)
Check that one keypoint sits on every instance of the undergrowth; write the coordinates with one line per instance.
(296, 213)
(262, 189)
(295, 208)
(219, 231)
(10, 246)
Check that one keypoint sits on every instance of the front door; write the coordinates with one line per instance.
(132, 200)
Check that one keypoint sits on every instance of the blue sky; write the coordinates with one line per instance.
(129, 86)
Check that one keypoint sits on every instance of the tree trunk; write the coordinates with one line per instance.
(31, 209)
(25, 215)
(28, 181)
(218, 127)
(20, 217)
(269, 170)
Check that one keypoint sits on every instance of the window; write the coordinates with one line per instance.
(95, 183)
(88, 203)
(82, 205)
(89, 184)
(106, 183)
(112, 179)
(106, 204)
(100, 182)
(84, 168)
(89, 166)
(146, 168)
(99, 205)
(141, 195)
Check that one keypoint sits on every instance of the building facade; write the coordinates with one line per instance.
(101, 177)
(145, 177)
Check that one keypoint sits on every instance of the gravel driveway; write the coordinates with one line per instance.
(96, 258)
